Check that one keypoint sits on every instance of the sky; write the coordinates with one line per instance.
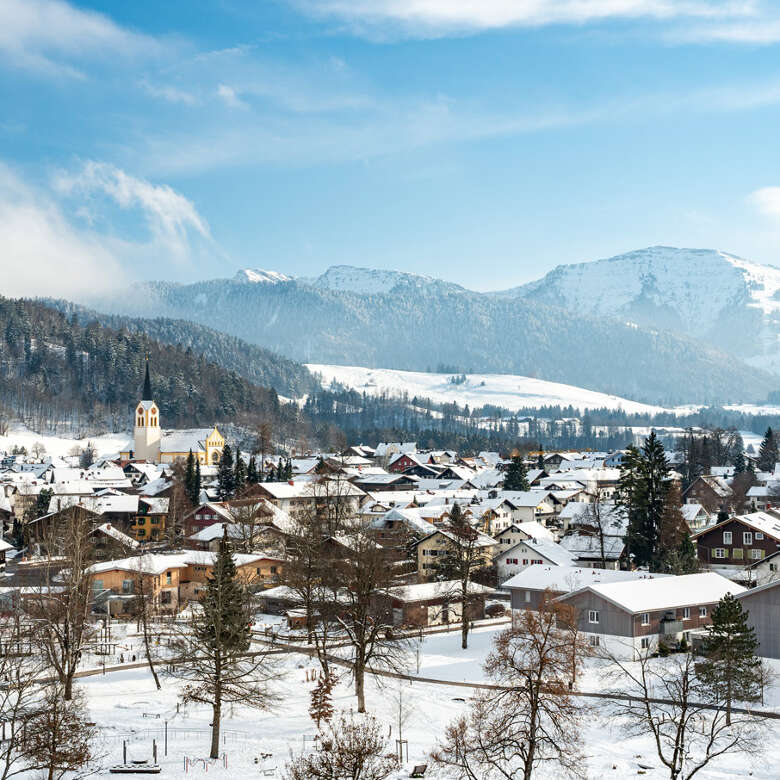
(479, 141)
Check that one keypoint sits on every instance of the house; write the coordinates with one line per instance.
(763, 606)
(739, 541)
(297, 498)
(696, 516)
(629, 618)
(149, 522)
(383, 482)
(434, 603)
(204, 516)
(109, 542)
(519, 532)
(530, 552)
(4, 548)
(527, 588)
(403, 461)
(712, 492)
(595, 550)
(397, 528)
(529, 506)
(434, 546)
(763, 571)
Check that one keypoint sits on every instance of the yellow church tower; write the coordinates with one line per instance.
(146, 434)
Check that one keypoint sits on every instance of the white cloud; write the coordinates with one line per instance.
(48, 35)
(229, 95)
(170, 216)
(43, 254)
(437, 17)
(767, 201)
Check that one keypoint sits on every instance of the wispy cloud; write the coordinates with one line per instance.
(43, 253)
(53, 37)
(229, 96)
(442, 17)
(170, 216)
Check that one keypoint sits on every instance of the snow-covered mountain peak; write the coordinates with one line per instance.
(370, 281)
(259, 276)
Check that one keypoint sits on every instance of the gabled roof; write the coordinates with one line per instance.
(763, 522)
(552, 551)
(564, 579)
(586, 546)
(531, 529)
(427, 591)
(665, 593)
(482, 540)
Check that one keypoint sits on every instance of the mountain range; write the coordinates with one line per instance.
(659, 325)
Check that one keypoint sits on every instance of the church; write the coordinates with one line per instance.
(152, 444)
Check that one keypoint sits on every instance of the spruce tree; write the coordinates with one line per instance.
(731, 670)
(197, 482)
(671, 532)
(288, 469)
(723, 515)
(516, 478)
(768, 452)
(739, 463)
(226, 482)
(190, 487)
(271, 477)
(239, 474)
(280, 472)
(252, 477)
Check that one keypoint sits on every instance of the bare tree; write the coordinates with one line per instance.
(533, 719)
(462, 558)
(600, 519)
(143, 607)
(364, 573)
(38, 449)
(353, 748)
(62, 603)
(663, 698)
(58, 736)
(249, 516)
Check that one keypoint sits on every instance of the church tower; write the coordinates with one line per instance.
(146, 434)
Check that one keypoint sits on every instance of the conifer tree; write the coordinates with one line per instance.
(280, 472)
(739, 463)
(197, 482)
(288, 469)
(190, 483)
(516, 478)
(768, 453)
(271, 477)
(216, 668)
(731, 670)
(226, 481)
(252, 477)
(239, 474)
(671, 532)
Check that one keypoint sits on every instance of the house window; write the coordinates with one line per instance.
(645, 618)
(645, 643)
(718, 552)
(772, 567)
(127, 586)
(525, 561)
(140, 532)
(593, 616)
(702, 612)
(594, 641)
(514, 560)
(756, 554)
(141, 521)
(273, 570)
(508, 560)
(165, 597)
(687, 613)
(727, 537)
(528, 596)
(155, 521)
(747, 537)
(168, 578)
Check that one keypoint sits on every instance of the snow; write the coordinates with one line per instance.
(370, 281)
(259, 276)
(126, 706)
(510, 391)
(60, 446)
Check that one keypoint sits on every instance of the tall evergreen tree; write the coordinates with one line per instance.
(288, 469)
(190, 483)
(671, 532)
(768, 453)
(280, 472)
(226, 481)
(252, 477)
(239, 474)
(197, 482)
(642, 491)
(739, 463)
(731, 670)
(516, 478)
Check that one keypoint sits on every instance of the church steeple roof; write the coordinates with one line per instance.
(147, 396)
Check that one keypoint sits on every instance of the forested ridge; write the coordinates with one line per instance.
(59, 374)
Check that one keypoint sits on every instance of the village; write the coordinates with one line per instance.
(371, 566)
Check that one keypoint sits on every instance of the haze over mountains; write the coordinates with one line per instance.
(658, 325)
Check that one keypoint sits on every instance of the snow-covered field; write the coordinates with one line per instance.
(507, 390)
(126, 705)
(19, 435)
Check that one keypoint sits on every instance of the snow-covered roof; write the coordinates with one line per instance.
(155, 564)
(184, 440)
(588, 546)
(156, 506)
(527, 498)
(116, 534)
(427, 591)
(552, 551)
(691, 511)
(764, 522)
(410, 517)
(564, 579)
(667, 592)
(305, 489)
(531, 529)
(482, 540)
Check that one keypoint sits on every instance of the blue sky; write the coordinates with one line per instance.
(483, 142)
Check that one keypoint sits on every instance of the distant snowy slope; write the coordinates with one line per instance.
(369, 281)
(729, 302)
(506, 390)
